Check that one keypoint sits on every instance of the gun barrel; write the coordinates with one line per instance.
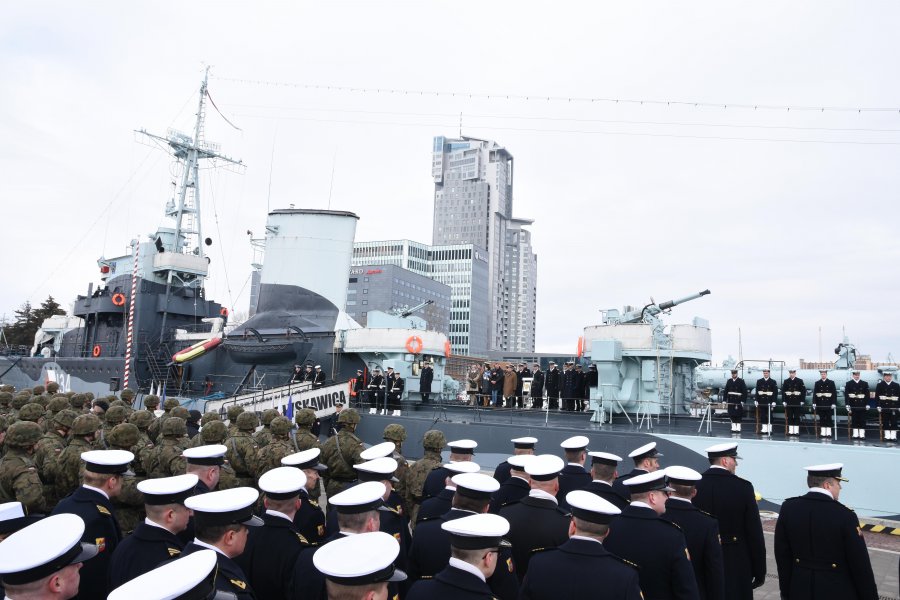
(671, 303)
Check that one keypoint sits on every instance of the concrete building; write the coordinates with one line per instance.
(473, 203)
(387, 287)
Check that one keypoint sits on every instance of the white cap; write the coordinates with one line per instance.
(682, 475)
(524, 442)
(832, 470)
(476, 532)
(591, 507)
(282, 483)
(307, 459)
(211, 454)
(519, 461)
(380, 469)
(43, 548)
(107, 461)
(645, 451)
(13, 517)
(378, 451)
(360, 559)
(605, 458)
(225, 507)
(463, 466)
(359, 498)
(168, 490)
(475, 485)
(318, 366)
(578, 442)
(194, 573)
(720, 450)
(648, 482)
(463, 446)
(544, 467)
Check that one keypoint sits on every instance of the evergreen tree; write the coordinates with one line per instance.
(28, 320)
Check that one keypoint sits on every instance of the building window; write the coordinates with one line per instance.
(365, 290)
(353, 280)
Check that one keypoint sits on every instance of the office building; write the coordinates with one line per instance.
(391, 288)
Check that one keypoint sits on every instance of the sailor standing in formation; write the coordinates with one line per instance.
(887, 392)
(646, 460)
(766, 395)
(603, 472)
(793, 392)
(856, 399)
(735, 396)
(573, 476)
(825, 399)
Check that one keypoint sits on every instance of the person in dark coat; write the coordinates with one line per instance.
(521, 446)
(309, 520)
(297, 375)
(154, 541)
(701, 531)
(359, 566)
(396, 385)
(856, 400)
(376, 389)
(272, 550)
(735, 395)
(319, 378)
(581, 568)
(887, 392)
(221, 523)
(497, 377)
(475, 542)
(537, 387)
(509, 386)
(426, 377)
(569, 382)
(646, 460)
(486, 375)
(522, 373)
(573, 476)
(793, 394)
(766, 392)
(552, 383)
(732, 501)
(537, 521)
(515, 487)
(460, 451)
(591, 382)
(603, 473)
(655, 545)
(439, 505)
(101, 481)
(820, 551)
(193, 423)
(825, 399)
(580, 388)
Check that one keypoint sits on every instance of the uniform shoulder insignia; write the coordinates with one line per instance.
(100, 543)
(510, 565)
(390, 509)
(238, 583)
(173, 552)
(320, 529)
(633, 565)
(687, 553)
(424, 519)
(563, 511)
(675, 525)
(103, 510)
(314, 503)
(706, 513)
(302, 539)
(536, 550)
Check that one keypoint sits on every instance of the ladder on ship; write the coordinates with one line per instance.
(160, 373)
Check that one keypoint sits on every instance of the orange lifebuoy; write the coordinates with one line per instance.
(224, 312)
(447, 348)
(414, 344)
(96, 351)
(118, 299)
(580, 346)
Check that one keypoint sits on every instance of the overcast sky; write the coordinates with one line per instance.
(789, 217)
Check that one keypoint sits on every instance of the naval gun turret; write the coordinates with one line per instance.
(644, 366)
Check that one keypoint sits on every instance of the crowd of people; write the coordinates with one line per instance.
(498, 385)
(94, 506)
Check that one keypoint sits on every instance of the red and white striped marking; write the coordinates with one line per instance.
(130, 339)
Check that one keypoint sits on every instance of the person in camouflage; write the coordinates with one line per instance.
(433, 442)
(52, 387)
(76, 402)
(305, 439)
(48, 450)
(241, 450)
(397, 433)
(215, 432)
(129, 503)
(144, 446)
(264, 435)
(269, 456)
(341, 452)
(18, 401)
(33, 412)
(166, 459)
(114, 416)
(127, 396)
(6, 405)
(19, 480)
(57, 403)
(151, 404)
(85, 431)
(38, 390)
(234, 411)
(208, 417)
(156, 426)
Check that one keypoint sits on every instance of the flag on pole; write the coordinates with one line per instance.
(289, 411)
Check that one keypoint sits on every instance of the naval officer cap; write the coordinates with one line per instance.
(720, 450)
(544, 467)
(359, 498)
(518, 462)
(832, 470)
(282, 483)
(168, 490)
(645, 451)
(378, 451)
(463, 446)
(225, 507)
(578, 442)
(462, 466)
(792, 370)
(475, 485)
(380, 469)
(682, 475)
(477, 532)
(854, 372)
(209, 455)
(191, 577)
(43, 548)
(591, 507)
(14, 517)
(648, 482)
(111, 462)
(604, 458)
(361, 559)
(307, 459)
(524, 443)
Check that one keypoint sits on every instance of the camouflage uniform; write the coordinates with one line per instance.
(214, 432)
(52, 387)
(397, 434)
(433, 442)
(341, 452)
(264, 435)
(144, 447)
(129, 503)
(242, 450)
(114, 416)
(57, 403)
(156, 426)
(269, 457)
(19, 480)
(305, 439)
(3, 428)
(208, 417)
(233, 413)
(166, 459)
(48, 450)
(68, 467)
(6, 409)
(33, 412)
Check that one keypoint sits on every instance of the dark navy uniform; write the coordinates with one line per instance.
(100, 528)
(552, 384)
(534, 523)
(397, 525)
(793, 393)
(430, 552)
(580, 569)
(820, 551)
(701, 531)
(569, 389)
(887, 395)
(307, 582)
(435, 482)
(310, 520)
(735, 395)
(572, 477)
(537, 390)
(824, 395)
(436, 506)
(502, 472)
(619, 486)
(856, 398)
(766, 392)
(658, 548)
(395, 392)
(606, 491)
(511, 490)
(230, 577)
(732, 501)
(269, 557)
(451, 584)
(145, 549)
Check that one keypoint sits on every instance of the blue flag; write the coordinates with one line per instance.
(289, 412)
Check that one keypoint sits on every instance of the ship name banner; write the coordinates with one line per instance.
(321, 400)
